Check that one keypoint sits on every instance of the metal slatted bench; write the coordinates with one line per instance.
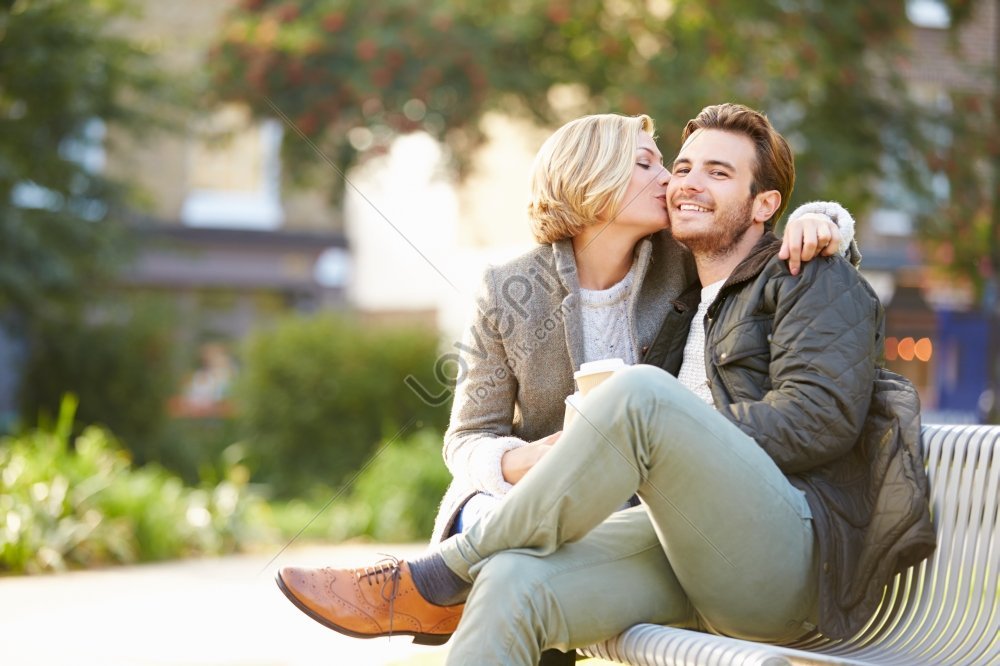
(943, 611)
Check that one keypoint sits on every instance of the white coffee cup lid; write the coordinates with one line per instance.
(604, 365)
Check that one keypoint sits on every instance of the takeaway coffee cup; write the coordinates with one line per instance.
(587, 378)
(591, 374)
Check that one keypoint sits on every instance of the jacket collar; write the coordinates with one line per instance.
(754, 263)
(746, 270)
(569, 278)
(749, 268)
(562, 252)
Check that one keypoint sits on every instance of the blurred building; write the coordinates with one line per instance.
(218, 234)
(936, 334)
(217, 227)
(418, 243)
(222, 236)
(218, 220)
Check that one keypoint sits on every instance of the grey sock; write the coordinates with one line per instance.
(436, 582)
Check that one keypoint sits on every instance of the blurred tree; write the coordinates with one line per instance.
(962, 231)
(350, 74)
(65, 76)
(69, 76)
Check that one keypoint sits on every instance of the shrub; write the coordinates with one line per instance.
(193, 448)
(394, 499)
(123, 371)
(397, 496)
(66, 502)
(316, 394)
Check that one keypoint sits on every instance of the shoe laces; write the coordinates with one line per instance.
(387, 572)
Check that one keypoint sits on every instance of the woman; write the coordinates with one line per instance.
(596, 287)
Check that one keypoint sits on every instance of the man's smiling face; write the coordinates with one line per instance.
(708, 196)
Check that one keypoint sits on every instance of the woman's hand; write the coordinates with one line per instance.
(809, 236)
(517, 462)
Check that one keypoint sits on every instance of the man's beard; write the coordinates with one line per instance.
(722, 238)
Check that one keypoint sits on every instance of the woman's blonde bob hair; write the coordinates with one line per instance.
(581, 172)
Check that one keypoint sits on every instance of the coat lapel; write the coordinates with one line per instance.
(572, 319)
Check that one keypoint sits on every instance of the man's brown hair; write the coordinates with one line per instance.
(774, 167)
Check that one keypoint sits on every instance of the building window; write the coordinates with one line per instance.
(234, 172)
(928, 13)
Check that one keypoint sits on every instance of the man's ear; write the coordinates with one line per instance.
(765, 205)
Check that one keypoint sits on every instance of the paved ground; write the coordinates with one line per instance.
(217, 612)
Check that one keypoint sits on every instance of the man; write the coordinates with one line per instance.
(753, 469)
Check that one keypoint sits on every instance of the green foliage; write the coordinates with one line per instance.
(394, 499)
(962, 234)
(72, 503)
(383, 55)
(122, 369)
(316, 394)
(67, 74)
(194, 449)
(825, 72)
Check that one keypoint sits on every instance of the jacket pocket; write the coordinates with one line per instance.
(742, 358)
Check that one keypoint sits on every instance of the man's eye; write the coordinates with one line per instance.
(681, 170)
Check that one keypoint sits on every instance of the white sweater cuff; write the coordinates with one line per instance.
(486, 463)
(835, 212)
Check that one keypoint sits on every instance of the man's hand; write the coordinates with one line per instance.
(807, 237)
(517, 462)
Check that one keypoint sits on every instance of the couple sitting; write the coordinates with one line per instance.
(755, 423)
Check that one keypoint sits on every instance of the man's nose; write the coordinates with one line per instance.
(692, 181)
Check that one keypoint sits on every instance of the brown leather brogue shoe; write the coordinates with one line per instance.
(380, 600)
